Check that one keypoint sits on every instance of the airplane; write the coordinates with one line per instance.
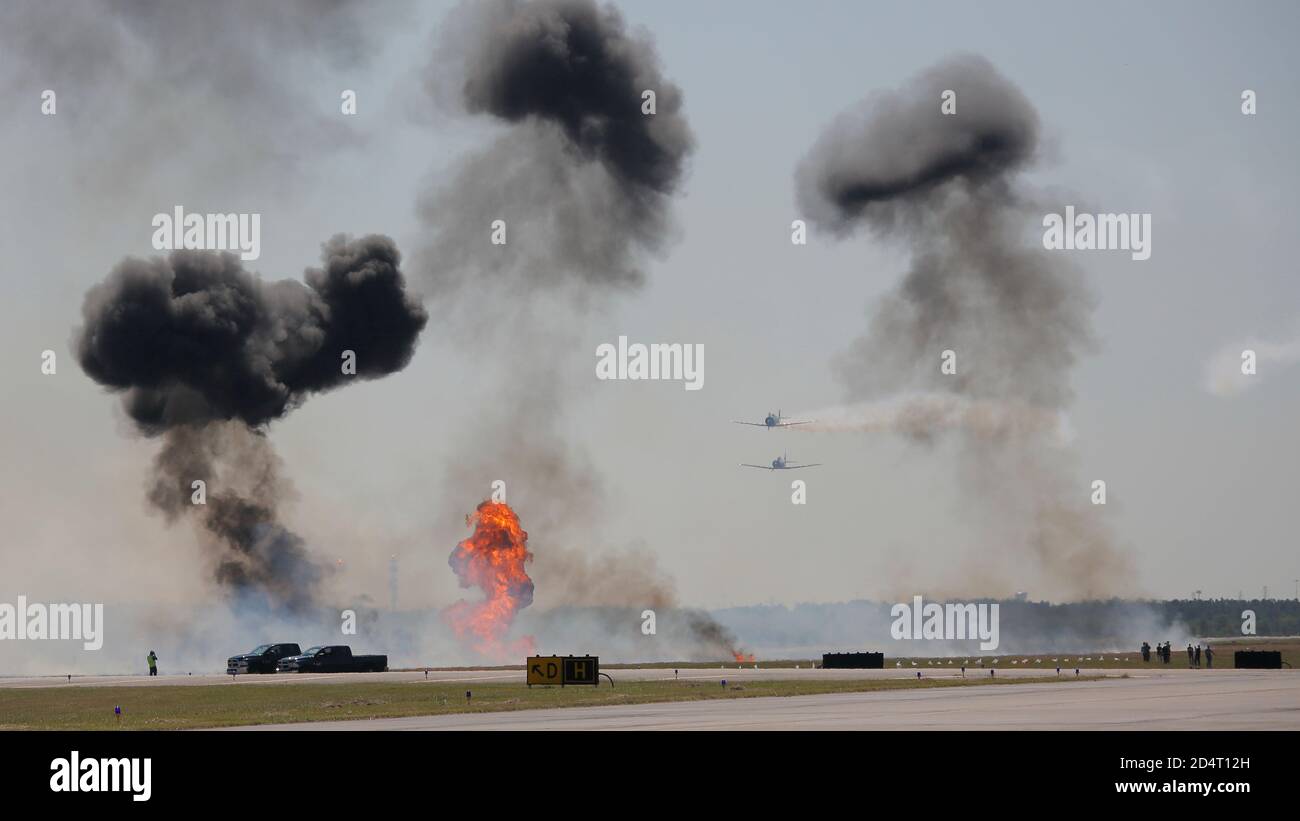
(781, 462)
(772, 420)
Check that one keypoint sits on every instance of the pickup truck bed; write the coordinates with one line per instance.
(333, 659)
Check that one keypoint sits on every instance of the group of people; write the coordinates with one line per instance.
(1193, 654)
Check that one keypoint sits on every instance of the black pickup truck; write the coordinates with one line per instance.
(337, 658)
(261, 659)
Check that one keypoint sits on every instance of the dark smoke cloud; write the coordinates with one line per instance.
(1017, 316)
(254, 556)
(572, 63)
(584, 182)
(583, 179)
(207, 354)
(897, 151)
(196, 338)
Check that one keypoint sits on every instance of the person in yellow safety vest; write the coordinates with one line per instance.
(153, 663)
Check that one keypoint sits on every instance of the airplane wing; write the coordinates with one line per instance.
(755, 424)
(792, 424)
(761, 467)
(796, 467)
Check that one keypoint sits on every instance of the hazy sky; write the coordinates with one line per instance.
(1140, 109)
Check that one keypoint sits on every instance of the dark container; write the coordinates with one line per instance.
(1257, 659)
(853, 661)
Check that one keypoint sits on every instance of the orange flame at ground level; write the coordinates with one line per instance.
(492, 559)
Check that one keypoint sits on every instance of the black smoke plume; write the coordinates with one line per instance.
(572, 63)
(944, 184)
(206, 354)
(583, 179)
(897, 151)
(980, 284)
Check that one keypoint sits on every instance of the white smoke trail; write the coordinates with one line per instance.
(923, 416)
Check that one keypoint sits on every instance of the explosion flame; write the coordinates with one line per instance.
(492, 559)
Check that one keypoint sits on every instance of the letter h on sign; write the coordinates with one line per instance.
(581, 670)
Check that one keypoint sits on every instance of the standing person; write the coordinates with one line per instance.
(153, 663)
(1209, 656)
(1146, 652)
(1189, 654)
(1198, 655)
(1166, 651)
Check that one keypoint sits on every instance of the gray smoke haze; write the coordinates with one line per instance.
(603, 596)
(1086, 627)
(149, 86)
(207, 355)
(1016, 316)
(584, 182)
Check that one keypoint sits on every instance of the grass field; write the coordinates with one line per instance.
(181, 707)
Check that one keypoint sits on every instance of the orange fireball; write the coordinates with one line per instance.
(492, 559)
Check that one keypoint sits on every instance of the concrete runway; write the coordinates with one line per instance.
(731, 673)
(1203, 700)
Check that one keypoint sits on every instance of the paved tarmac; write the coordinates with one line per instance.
(1190, 700)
